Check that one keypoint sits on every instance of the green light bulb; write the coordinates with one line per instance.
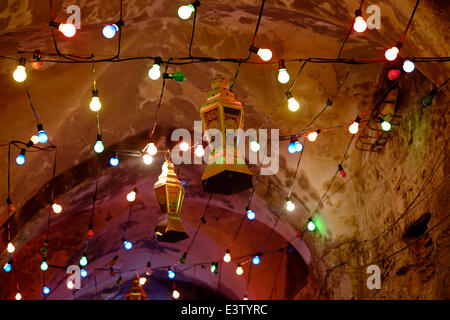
(178, 76)
(83, 261)
(214, 268)
(44, 265)
(311, 226)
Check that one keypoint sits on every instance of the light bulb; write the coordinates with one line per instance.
(56, 208)
(42, 136)
(199, 151)
(342, 172)
(151, 149)
(148, 159)
(250, 214)
(313, 136)
(20, 74)
(98, 146)
(110, 30)
(83, 261)
(142, 280)
(155, 72)
(254, 146)
(293, 104)
(264, 54)
(408, 66)
(214, 267)
(391, 54)
(67, 29)
(70, 284)
(184, 146)
(298, 146)
(18, 296)
(171, 274)
(44, 265)
(175, 294)
(34, 139)
(20, 159)
(10, 248)
(95, 104)
(256, 260)
(291, 147)
(131, 196)
(386, 126)
(7, 267)
(45, 290)
(354, 127)
(245, 297)
(239, 270)
(36, 65)
(114, 161)
(227, 256)
(283, 76)
(127, 245)
(360, 24)
(185, 11)
(394, 74)
(83, 273)
(290, 206)
(311, 226)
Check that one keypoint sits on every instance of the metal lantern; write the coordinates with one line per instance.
(169, 193)
(226, 171)
(136, 291)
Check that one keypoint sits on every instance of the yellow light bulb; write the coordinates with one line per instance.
(142, 281)
(175, 294)
(95, 104)
(293, 104)
(227, 257)
(151, 149)
(313, 136)
(11, 248)
(34, 139)
(20, 74)
(18, 296)
(239, 270)
(56, 208)
(131, 196)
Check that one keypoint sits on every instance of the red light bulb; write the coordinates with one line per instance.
(342, 171)
(394, 74)
(36, 65)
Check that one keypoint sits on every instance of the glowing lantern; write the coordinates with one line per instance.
(169, 193)
(136, 291)
(226, 172)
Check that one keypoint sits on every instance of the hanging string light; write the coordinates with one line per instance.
(239, 270)
(185, 11)
(199, 151)
(83, 260)
(44, 264)
(360, 25)
(20, 73)
(131, 196)
(250, 214)
(385, 125)
(227, 256)
(148, 159)
(83, 273)
(184, 146)
(313, 135)
(57, 208)
(10, 248)
(114, 161)
(408, 66)
(155, 71)
(293, 104)
(20, 159)
(8, 266)
(354, 127)
(45, 290)
(394, 74)
(18, 296)
(392, 53)
(342, 172)
(36, 63)
(67, 29)
(177, 76)
(98, 146)
(171, 274)
(256, 259)
(214, 267)
(254, 146)
(311, 226)
(127, 244)
(283, 75)
(264, 54)
(42, 136)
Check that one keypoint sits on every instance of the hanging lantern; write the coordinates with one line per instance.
(226, 172)
(136, 292)
(169, 193)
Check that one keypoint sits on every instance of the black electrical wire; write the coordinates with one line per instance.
(158, 107)
(410, 21)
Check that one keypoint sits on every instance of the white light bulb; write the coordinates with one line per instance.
(56, 208)
(142, 281)
(391, 54)
(353, 128)
(148, 159)
(408, 66)
(293, 104)
(151, 149)
(283, 76)
(360, 24)
(155, 72)
(313, 136)
(35, 139)
(11, 248)
(18, 296)
(199, 151)
(175, 294)
(131, 196)
(290, 206)
(254, 146)
(239, 270)
(20, 74)
(227, 257)
(184, 146)
(70, 284)
(95, 104)
(184, 12)
(265, 54)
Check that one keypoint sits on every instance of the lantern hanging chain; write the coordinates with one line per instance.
(329, 101)
(158, 107)
(240, 61)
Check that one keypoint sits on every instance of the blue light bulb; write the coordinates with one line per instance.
(46, 290)
(20, 159)
(256, 260)
(298, 146)
(292, 148)
(128, 245)
(83, 273)
(114, 161)
(110, 30)
(42, 136)
(171, 274)
(7, 267)
(250, 214)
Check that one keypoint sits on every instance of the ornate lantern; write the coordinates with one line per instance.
(136, 291)
(169, 193)
(226, 171)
